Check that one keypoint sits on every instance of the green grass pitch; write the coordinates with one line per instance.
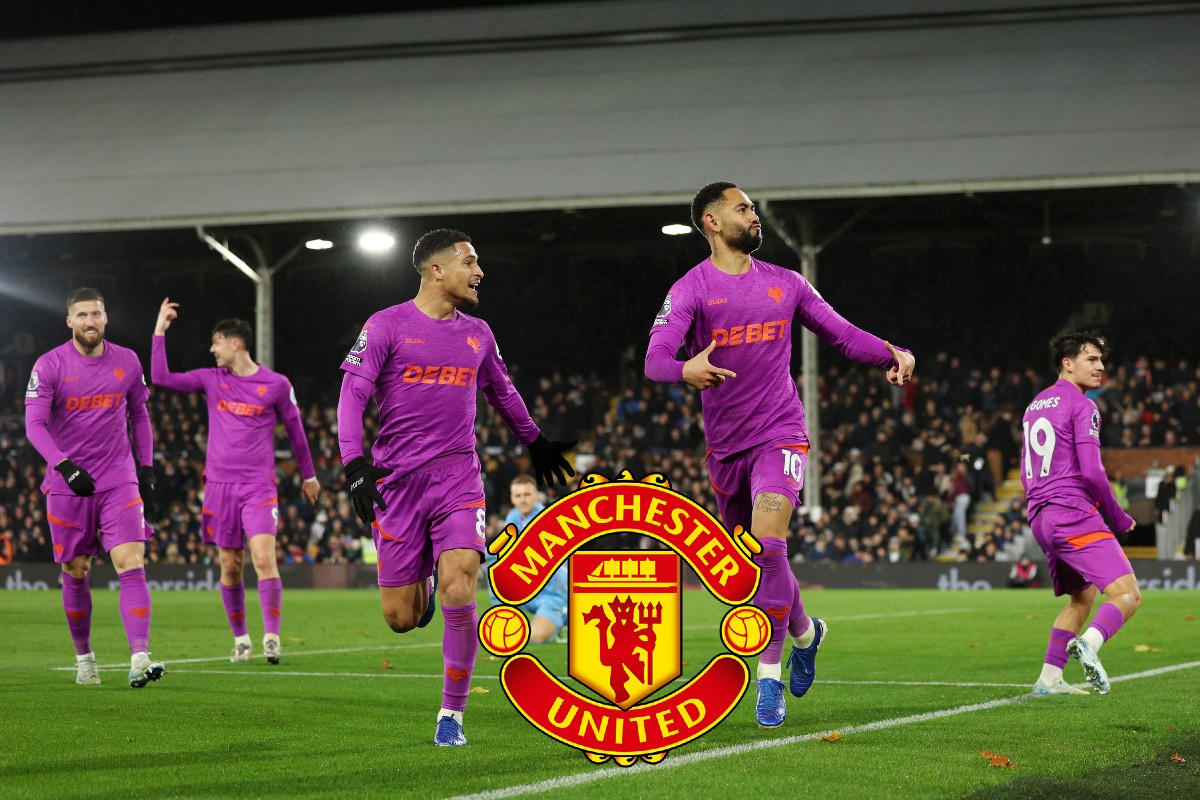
(917, 682)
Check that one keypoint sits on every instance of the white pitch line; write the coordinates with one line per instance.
(965, 685)
(605, 773)
(273, 672)
(292, 654)
(477, 675)
(835, 620)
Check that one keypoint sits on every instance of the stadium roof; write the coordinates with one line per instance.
(616, 103)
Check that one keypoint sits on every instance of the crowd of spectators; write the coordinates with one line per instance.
(899, 469)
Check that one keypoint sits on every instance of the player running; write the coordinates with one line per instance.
(734, 315)
(241, 499)
(84, 401)
(1065, 486)
(424, 361)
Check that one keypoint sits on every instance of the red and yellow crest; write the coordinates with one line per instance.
(625, 619)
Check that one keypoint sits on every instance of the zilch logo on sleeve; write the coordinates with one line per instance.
(625, 619)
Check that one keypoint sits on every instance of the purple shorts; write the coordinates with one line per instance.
(80, 526)
(233, 512)
(1080, 549)
(776, 466)
(438, 507)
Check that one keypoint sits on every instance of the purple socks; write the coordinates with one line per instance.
(776, 595)
(1056, 648)
(234, 598)
(77, 603)
(135, 609)
(270, 597)
(460, 645)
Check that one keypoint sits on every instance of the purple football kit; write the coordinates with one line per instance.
(83, 408)
(754, 422)
(89, 409)
(1068, 493)
(241, 498)
(240, 495)
(426, 374)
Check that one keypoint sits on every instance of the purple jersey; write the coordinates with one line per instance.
(426, 373)
(243, 411)
(750, 317)
(90, 402)
(1060, 461)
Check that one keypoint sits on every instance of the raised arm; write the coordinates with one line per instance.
(160, 374)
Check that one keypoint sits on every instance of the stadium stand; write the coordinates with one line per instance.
(892, 461)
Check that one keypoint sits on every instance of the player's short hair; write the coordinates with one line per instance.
(235, 328)
(705, 198)
(1068, 344)
(433, 243)
(523, 478)
(82, 296)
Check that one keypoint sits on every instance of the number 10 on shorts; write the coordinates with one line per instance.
(793, 465)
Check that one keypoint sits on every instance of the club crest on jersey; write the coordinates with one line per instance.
(474, 343)
(32, 389)
(625, 619)
(119, 373)
(260, 389)
(775, 293)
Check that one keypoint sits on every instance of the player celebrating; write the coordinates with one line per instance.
(1065, 485)
(241, 499)
(733, 313)
(424, 360)
(84, 399)
(548, 609)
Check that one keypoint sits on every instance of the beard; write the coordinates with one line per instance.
(746, 242)
(468, 303)
(81, 339)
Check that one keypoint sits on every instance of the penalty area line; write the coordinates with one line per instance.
(608, 772)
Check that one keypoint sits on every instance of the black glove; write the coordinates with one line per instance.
(146, 489)
(77, 478)
(361, 476)
(548, 461)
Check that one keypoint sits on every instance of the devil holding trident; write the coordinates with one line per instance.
(620, 655)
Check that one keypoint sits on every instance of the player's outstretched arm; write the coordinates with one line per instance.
(700, 374)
